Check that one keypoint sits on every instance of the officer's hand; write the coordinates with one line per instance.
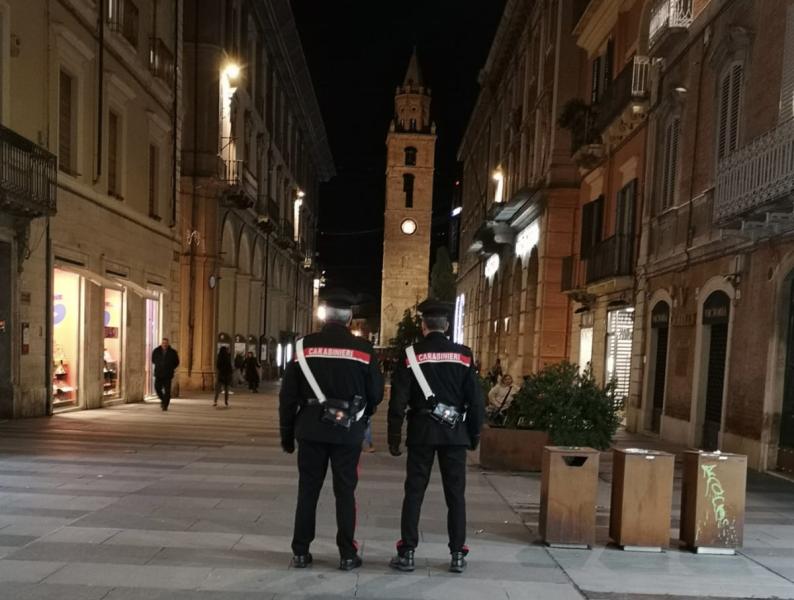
(475, 442)
(288, 445)
(394, 450)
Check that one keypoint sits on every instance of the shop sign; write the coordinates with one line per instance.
(660, 316)
(683, 319)
(716, 309)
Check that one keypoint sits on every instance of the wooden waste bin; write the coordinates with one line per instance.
(712, 501)
(642, 499)
(568, 491)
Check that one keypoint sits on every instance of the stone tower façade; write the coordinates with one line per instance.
(410, 162)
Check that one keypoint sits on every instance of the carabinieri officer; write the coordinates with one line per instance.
(435, 381)
(328, 394)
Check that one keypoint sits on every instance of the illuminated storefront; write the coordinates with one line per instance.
(67, 313)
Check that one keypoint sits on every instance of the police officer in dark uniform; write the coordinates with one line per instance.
(328, 394)
(445, 415)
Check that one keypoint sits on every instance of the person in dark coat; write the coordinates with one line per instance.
(445, 415)
(327, 411)
(251, 368)
(165, 360)
(224, 370)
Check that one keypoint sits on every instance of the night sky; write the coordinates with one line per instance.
(358, 52)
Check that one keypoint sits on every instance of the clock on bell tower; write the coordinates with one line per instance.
(410, 162)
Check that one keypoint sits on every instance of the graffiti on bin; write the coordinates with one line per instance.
(715, 492)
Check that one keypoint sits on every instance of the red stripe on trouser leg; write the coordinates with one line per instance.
(355, 504)
(465, 549)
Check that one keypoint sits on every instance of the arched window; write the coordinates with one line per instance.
(410, 156)
(408, 188)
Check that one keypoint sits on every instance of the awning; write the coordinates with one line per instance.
(89, 275)
(141, 291)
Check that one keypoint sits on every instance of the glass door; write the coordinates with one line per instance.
(153, 339)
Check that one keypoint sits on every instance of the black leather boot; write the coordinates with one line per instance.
(403, 562)
(458, 562)
(301, 561)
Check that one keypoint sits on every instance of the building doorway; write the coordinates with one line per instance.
(6, 330)
(660, 336)
(785, 453)
(67, 337)
(113, 351)
(716, 315)
(620, 329)
(153, 339)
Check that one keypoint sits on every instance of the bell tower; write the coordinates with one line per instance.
(410, 161)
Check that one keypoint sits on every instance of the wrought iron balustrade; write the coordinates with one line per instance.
(28, 176)
(756, 175)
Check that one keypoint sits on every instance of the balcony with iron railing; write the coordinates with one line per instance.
(161, 60)
(668, 16)
(123, 17)
(568, 274)
(611, 258)
(28, 176)
(758, 179)
(230, 171)
(625, 101)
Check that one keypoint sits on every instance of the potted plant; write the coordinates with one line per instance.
(558, 405)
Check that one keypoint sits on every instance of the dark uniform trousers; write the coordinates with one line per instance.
(452, 463)
(162, 386)
(313, 459)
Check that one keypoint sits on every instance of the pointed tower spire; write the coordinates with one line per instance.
(413, 77)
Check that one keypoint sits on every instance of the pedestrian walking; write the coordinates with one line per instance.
(435, 382)
(328, 394)
(368, 445)
(165, 360)
(251, 368)
(224, 371)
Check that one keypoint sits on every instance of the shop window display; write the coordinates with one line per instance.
(111, 359)
(67, 303)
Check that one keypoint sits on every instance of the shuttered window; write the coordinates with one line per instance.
(787, 84)
(730, 106)
(154, 175)
(114, 189)
(65, 123)
(592, 224)
(595, 78)
(670, 163)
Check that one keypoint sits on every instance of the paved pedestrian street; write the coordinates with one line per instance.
(131, 503)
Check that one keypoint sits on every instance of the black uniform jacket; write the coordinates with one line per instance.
(344, 366)
(448, 368)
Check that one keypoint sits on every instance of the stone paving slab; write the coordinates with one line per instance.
(129, 503)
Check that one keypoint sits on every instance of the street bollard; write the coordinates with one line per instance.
(712, 501)
(568, 492)
(642, 498)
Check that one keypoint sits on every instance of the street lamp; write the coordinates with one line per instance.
(231, 71)
(321, 312)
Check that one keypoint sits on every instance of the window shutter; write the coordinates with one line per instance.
(722, 121)
(787, 83)
(586, 242)
(625, 216)
(113, 141)
(737, 72)
(153, 180)
(670, 168)
(65, 123)
(609, 58)
(598, 220)
(596, 79)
